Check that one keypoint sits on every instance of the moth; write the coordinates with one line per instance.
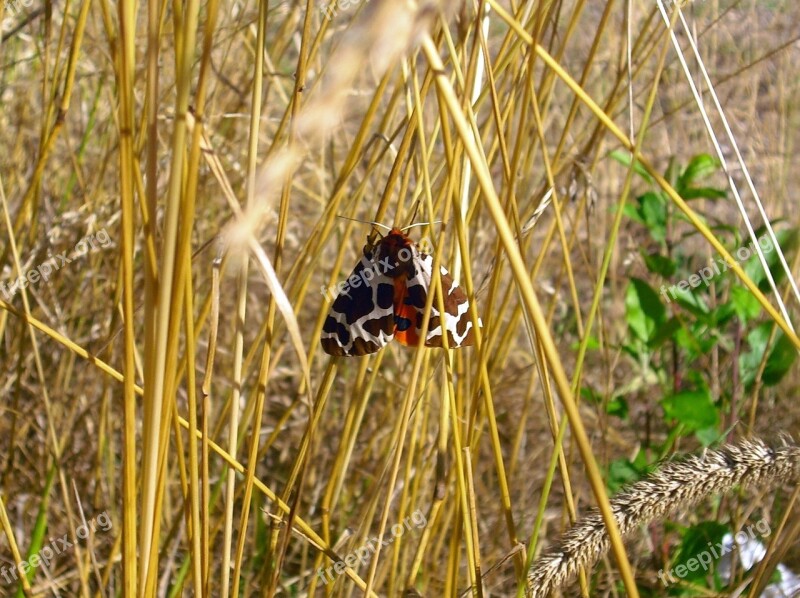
(384, 299)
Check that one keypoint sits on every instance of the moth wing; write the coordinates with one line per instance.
(409, 311)
(361, 319)
(409, 296)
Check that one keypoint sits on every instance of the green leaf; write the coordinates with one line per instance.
(692, 408)
(744, 304)
(666, 331)
(700, 167)
(672, 172)
(621, 472)
(631, 212)
(749, 361)
(40, 526)
(624, 158)
(788, 240)
(644, 310)
(690, 193)
(618, 407)
(688, 341)
(659, 264)
(780, 360)
(695, 551)
(706, 335)
(653, 211)
(694, 303)
(722, 314)
(708, 436)
(590, 394)
(673, 292)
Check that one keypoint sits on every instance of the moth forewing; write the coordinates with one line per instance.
(456, 310)
(361, 319)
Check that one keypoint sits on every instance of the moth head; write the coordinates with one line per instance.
(395, 254)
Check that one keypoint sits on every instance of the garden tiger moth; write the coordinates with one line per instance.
(384, 298)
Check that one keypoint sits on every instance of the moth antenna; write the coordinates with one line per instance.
(405, 228)
(372, 222)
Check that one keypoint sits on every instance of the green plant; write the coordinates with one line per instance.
(682, 336)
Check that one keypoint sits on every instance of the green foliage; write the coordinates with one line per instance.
(689, 305)
(683, 309)
(693, 409)
(645, 312)
(624, 471)
(697, 556)
(781, 356)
